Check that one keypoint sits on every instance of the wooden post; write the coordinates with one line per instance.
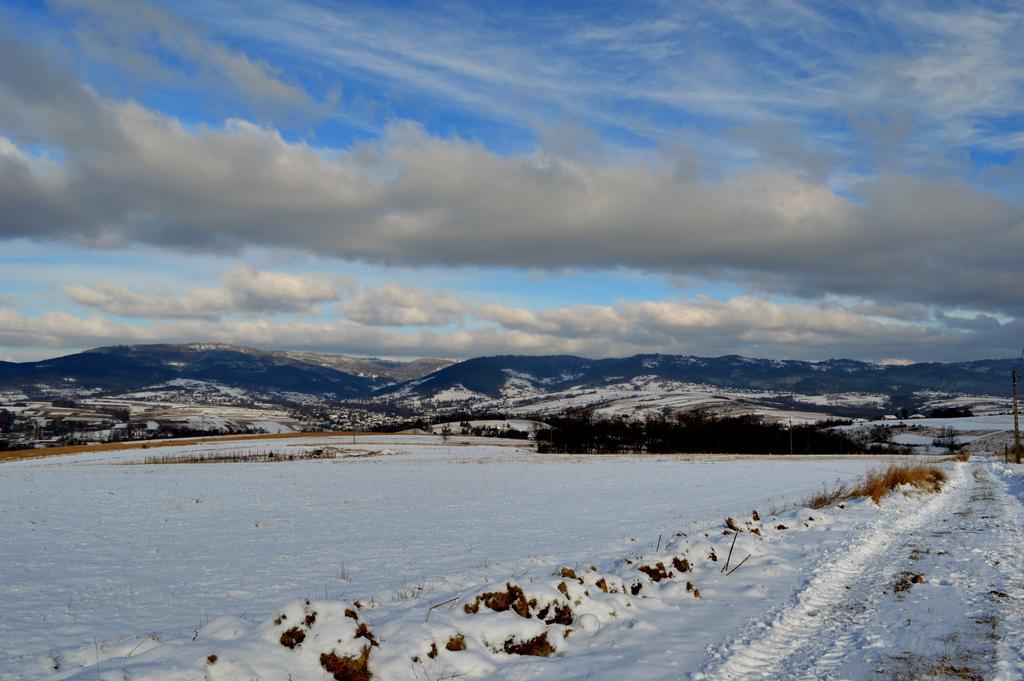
(1016, 421)
(791, 437)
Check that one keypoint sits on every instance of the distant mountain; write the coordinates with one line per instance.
(373, 367)
(303, 376)
(128, 368)
(490, 376)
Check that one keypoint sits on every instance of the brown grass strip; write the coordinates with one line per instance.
(877, 484)
(17, 454)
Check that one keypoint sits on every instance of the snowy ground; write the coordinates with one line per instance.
(981, 434)
(150, 569)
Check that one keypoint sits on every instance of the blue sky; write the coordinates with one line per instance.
(779, 179)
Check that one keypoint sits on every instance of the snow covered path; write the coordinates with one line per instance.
(926, 590)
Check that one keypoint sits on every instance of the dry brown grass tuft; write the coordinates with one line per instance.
(827, 497)
(292, 637)
(456, 643)
(499, 601)
(656, 572)
(242, 456)
(347, 668)
(363, 631)
(877, 484)
(562, 614)
(16, 454)
(962, 456)
(907, 580)
(538, 646)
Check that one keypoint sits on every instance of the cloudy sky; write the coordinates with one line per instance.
(772, 179)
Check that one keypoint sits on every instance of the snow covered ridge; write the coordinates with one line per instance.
(695, 595)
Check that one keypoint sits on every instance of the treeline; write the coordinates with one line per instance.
(691, 432)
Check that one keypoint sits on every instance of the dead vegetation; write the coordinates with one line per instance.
(656, 572)
(244, 456)
(15, 454)
(456, 643)
(297, 634)
(499, 601)
(513, 598)
(827, 497)
(878, 483)
(538, 646)
(922, 477)
(292, 637)
(908, 667)
(907, 580)
(363, 631)
(347, 668)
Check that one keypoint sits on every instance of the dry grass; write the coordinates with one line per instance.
(827, 497)
(656, 572)
(243, 457)
(962, 456)
(293, 637)
(456, 643)
(16, 454)
(922, 477)
(537, 646)
(879, 483)
(512, 598)
(347, 668)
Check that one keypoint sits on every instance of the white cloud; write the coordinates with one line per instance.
(245, 291)
(702, 326)
(394, 305)
(138, 38)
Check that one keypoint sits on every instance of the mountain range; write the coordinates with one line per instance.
(279, 376)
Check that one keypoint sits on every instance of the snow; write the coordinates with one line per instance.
(987, 423)
(457, 393)
(524, 425)
(149, 569)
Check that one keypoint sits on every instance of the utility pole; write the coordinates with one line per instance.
(1016, 421)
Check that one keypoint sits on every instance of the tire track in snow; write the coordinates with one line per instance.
(1010, 652)
(813, 632)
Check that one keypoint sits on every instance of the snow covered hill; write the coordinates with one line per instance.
(412, 558)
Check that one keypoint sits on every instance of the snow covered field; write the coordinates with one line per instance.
(148, 570)
(981, 434)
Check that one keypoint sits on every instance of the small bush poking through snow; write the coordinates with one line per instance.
(538, 646)
(499, 601)
(656, 572)
(907, 580)
(293, 637)
(349, 668)
(456, 643)
(879, 483)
